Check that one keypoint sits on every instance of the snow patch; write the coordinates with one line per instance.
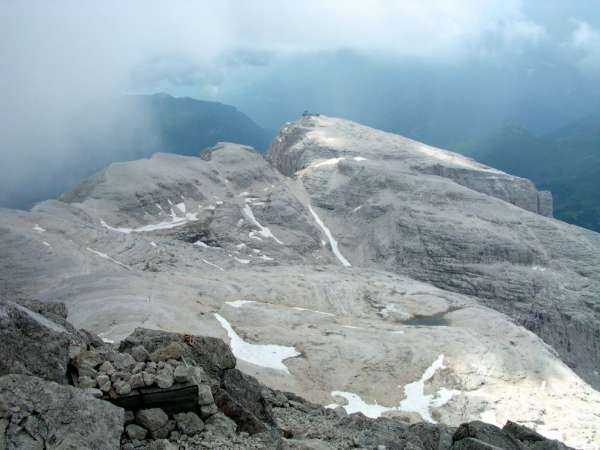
(239, 303)
(181, 207)
(38, 228)
(105, 256)
(312, 310)
(213, 265)
(153, 244)
(332, 241)
(417, 401)
(355, 404)
(263, 355)
(166, 225)
(242, 261)
(263, 231)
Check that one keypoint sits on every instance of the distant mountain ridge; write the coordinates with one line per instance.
(132, 127)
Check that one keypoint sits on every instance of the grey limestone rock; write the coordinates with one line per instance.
(43, 414)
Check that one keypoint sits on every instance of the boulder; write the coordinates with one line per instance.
(148, 378)
(46, 415)
(473, 444)
(304, 444)
(43, 345)
(189, 423)
(522, 433)
(124, 361)
(137, 381)
(86, 382)
(122, 387)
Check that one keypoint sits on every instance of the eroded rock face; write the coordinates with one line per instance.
(43, 414)
(43, 345)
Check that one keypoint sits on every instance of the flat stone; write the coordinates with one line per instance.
(120, 376)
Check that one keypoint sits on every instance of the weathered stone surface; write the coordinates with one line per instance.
(205, 396)
(173, 350)
(221, 424)
(304, 444)
(148, 378)
(140, 354)
(43, 345)
(137, 381)
(124, 362)
(103, 382)
(189, 423)
(182, 374)
(488, 434)
(208, 410)
(213, 355)
(136, 432)
(86, 382)
(46, 415)
(164, 377)
(122, 387)
(152, 419)
(107, 368)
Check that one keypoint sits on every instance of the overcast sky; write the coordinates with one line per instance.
(56, 57)
(77, 48)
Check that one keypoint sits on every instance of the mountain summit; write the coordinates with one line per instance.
(356, 267)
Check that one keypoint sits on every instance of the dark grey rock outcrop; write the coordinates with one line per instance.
(37, 413)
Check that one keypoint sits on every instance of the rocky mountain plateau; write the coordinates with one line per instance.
(349, 289)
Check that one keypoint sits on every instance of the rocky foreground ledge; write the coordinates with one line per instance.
(62, 388)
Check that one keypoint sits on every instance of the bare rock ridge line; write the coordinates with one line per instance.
(354, 267)
(161, 390)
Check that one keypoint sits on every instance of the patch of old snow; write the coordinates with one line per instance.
(181, 207)
(358, 208)
(204, 245)
(263, 355)
(105, 256)
(263, 231)
(243, 194)
(46, 244)
(359, 158)
(242, 261)
(166, 225)
(239, 303)
(153, 244)
(355, 404)
(332, 241)
(38, 228)
(312, 310)
(265, 258)
(417, 401)
(213, 265)
(489, 416)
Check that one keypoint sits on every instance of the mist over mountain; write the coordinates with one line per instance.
(565, 161)
(121, 129)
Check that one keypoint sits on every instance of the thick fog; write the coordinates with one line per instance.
(444, 72)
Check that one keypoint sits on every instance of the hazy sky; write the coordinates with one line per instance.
(57, 57)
